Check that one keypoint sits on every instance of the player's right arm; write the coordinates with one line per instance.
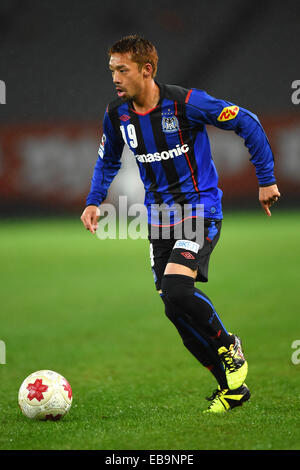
(106, 168)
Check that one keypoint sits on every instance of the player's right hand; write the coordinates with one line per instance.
(90, 217)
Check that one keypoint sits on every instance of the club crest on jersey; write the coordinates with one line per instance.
(169, 124)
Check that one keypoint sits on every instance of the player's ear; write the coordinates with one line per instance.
(147, 70)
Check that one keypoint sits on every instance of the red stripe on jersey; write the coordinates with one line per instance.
(186, 154)
(144, 114)
(188, 96)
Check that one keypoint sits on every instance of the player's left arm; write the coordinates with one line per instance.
(228, 116)
(267, 196)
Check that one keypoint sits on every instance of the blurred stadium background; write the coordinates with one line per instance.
(67, 301)
(54, 66)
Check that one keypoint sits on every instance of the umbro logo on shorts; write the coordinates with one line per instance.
(187, 255)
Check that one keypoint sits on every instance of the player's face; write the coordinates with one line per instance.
(127, 77)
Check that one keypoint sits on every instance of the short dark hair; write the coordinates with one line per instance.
(142, 51)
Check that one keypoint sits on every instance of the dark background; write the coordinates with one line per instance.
(53, 60)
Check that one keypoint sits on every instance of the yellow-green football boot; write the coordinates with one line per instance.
(223, 400)
(235, 365)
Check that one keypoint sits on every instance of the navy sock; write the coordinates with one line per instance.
(179, 290)
(196, 343)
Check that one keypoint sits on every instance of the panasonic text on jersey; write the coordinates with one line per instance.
(164, 155)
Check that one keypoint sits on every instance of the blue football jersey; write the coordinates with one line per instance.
(172, 150)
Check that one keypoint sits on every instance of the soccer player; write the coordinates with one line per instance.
(165, 128)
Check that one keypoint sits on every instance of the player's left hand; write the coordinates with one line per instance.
(268, 195)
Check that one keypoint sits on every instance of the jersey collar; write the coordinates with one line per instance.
(161, 97)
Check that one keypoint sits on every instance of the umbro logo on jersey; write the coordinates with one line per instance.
(124, 117)
(164, 155)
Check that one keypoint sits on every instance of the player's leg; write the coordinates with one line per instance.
(179, 290)
(196, 344)
(199, 313)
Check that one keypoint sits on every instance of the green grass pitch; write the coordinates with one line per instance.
(88, 309)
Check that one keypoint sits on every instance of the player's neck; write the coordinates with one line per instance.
(147, 99)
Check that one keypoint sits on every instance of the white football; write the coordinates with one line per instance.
(45, 395)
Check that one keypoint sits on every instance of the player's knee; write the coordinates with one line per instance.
(170, 315)
(169, 311)
(177, 287)
(170, 287)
